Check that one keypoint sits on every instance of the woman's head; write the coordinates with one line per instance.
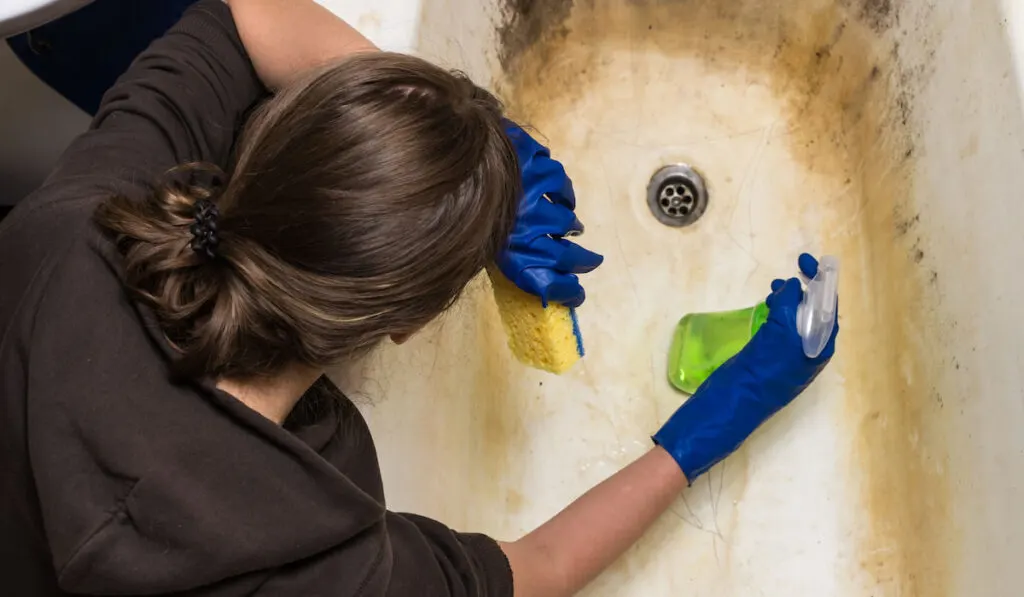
(362, 201)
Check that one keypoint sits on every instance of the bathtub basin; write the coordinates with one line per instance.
(887, 133)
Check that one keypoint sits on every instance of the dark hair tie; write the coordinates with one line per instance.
(204, 229)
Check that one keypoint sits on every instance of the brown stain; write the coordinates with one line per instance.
(497, 407)
(810, 58)
(877, 14)
(525, 23)
(514, 502)
(849, 101)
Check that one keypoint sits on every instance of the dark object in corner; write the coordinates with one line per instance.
(65, 55)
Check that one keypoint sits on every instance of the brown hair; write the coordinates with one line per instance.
(361, 202)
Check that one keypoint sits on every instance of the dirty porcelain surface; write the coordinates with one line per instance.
(856, 128)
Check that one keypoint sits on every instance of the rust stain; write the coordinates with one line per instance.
(497, 408)
(514, 502)
(848, 102)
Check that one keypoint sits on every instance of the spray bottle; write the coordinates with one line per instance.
(704, 341)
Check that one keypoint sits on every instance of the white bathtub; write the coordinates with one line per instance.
(888, 132)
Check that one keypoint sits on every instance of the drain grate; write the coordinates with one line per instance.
(676, 195)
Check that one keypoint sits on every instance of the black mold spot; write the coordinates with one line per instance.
(525, 22)
(904, 226)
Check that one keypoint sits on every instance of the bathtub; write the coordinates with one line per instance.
(887, 132)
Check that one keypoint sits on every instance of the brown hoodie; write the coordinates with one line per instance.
(116, 480)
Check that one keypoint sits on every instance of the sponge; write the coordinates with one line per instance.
(547, 338)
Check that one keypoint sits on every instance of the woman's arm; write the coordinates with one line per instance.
(285, 38)
(568, 551)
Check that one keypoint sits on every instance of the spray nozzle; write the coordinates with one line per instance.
(816, 315)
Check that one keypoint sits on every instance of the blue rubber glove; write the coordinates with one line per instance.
(538, 258)
(765, 376)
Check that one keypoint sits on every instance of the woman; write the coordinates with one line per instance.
(164, 327)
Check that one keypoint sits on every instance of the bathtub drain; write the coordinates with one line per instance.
(677, 195)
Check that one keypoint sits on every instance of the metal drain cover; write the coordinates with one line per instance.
(677, 195)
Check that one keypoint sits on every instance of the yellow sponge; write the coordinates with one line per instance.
(547, 338)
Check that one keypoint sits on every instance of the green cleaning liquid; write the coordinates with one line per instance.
(703, 342)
